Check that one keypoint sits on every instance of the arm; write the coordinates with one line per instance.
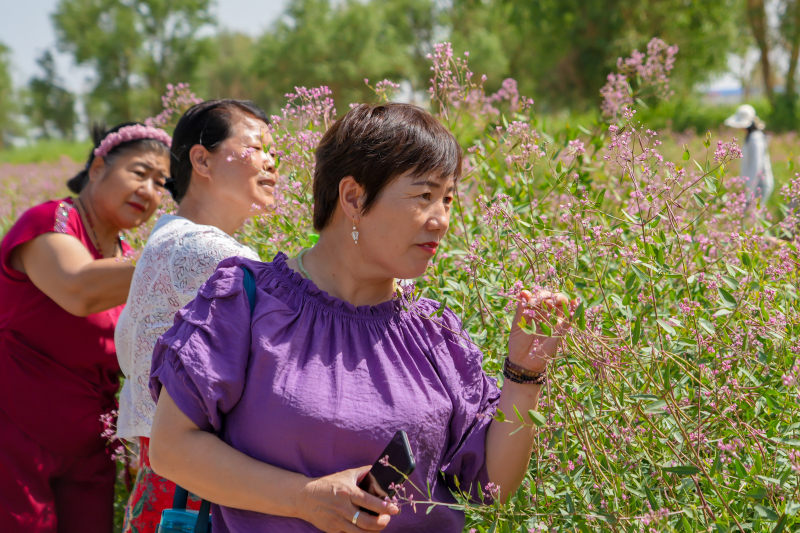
(62, 268)
(207, 466)
(507, 454)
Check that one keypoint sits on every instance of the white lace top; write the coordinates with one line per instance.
(179, 257)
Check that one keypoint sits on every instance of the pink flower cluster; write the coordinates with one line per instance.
(651, 70)
(177, 99)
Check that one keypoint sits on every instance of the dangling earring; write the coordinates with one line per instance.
(354, 234)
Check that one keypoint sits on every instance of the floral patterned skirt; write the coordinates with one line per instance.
(151, 494)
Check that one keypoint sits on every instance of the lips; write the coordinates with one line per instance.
(429, 247)
(267, 182)
(138, 207)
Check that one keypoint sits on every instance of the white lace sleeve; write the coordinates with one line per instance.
(176, 261)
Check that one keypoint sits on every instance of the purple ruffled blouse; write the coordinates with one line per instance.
(314, 385)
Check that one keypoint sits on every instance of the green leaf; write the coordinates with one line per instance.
(766, 512)
(570, 504)
(580, 316)
(537, 418)
(708, 326)
(667, 327)
(500, 416)
(681, 470)
(590, 408)
(723, 312)
(731, 282)
(519, 416)
(759, 493)
(686, 155)
(727, 298)
(655, 407)
(781, 525)
(637, 330)
(640, 274)
(791, 508)
(699, 201)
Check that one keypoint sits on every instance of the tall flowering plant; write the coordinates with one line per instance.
(673, 406)
(674, 403)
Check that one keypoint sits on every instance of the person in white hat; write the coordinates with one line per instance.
(755, 155)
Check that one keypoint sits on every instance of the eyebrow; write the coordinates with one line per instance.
(433, 184)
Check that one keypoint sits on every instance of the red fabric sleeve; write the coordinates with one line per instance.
(59, 216)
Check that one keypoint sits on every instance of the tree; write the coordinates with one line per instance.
(339, 44)
(7, 108)
(560, 51)
(51, 107)
(136, 47)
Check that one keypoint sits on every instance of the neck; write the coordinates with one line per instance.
(99, 228)
(201, 209)
(338, 269)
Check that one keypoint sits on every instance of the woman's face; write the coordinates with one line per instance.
(126, 193)
(242, 171)
(402, 232)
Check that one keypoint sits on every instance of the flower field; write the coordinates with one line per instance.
(674, 405)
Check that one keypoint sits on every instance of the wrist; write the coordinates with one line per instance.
(523, 375)
(300, 496)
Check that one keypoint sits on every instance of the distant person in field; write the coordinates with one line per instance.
(215, 187)
(63, 282)
(755, 162)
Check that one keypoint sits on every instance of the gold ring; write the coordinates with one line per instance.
(355, 517)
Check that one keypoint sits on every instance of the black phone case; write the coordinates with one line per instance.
(400, 465)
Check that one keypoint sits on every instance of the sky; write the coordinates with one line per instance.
(26, 28)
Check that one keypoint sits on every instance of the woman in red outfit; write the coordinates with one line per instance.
(63, 284)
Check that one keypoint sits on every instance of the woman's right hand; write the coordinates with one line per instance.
(331, 502)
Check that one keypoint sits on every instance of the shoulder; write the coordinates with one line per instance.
(59, 216)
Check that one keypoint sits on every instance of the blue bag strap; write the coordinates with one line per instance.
(182, 495)
(249, 288)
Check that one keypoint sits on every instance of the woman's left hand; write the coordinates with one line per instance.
(533, 350)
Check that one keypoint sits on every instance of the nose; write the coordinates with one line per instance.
(147, 190)
(439, 219)
(269, 163)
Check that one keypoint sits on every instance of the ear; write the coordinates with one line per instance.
(351, 198)
(201, 160)
(97, 169)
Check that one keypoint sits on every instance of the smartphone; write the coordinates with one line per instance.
(399, 465)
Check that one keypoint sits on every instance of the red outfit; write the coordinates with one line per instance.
(58, 375)
(150, 496)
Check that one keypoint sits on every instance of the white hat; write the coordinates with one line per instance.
(744, 117)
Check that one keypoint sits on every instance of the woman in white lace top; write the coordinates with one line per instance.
(220, 169)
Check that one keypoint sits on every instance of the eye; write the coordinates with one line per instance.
(448, 200)
(426, 196)
(139, 173)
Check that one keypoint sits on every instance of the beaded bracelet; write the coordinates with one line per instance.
(518, 374)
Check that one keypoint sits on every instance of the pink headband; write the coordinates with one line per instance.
(131, 133)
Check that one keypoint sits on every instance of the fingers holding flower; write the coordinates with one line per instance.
(540, 323)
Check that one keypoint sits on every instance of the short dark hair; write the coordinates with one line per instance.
(99, 132)
(375, 144)
(208, 124)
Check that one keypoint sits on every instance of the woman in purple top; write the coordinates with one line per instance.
(277, 415)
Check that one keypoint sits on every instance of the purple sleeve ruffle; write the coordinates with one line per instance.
(202, 359)
(475, 397)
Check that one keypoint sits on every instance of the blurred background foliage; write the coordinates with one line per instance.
(559, 51)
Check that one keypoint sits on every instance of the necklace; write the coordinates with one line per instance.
(96, 241)
(300, 263)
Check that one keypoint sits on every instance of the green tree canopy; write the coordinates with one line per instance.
(51, 107)
(560, 51)
(135, 47)
(7, 107)
(338, 44)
